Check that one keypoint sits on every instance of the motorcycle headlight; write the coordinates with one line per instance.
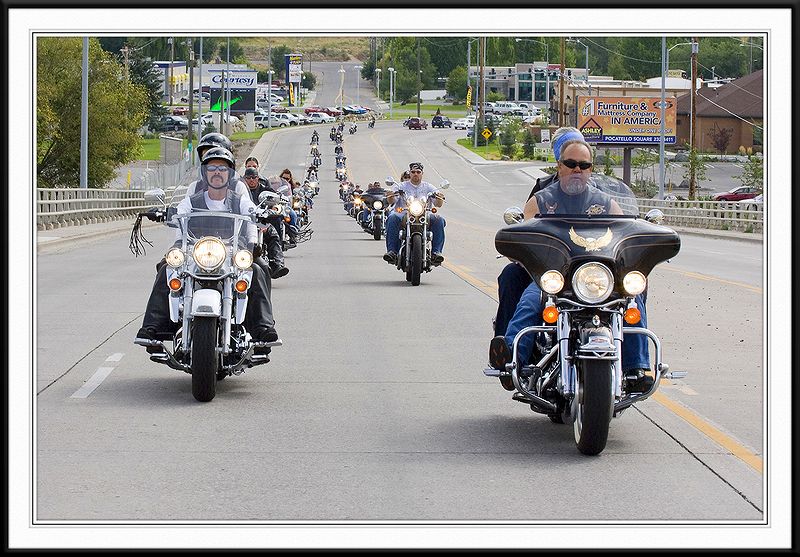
(209, 253)
(357, 200)
(377, 205)
(243, 259)
(634, 283)
(593, 282)
(279, 208)
(175, 257)
(416, 208)
(552, 282)
(297, 204)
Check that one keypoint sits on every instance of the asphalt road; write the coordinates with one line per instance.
(376, 407)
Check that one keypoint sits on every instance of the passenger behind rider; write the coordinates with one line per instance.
(415, 187)
(217, 172)
(571, 193)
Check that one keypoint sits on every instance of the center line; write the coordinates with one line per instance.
(93, 382)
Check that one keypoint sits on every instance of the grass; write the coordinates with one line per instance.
(251, 135)
(317, 49)
(489, 152)
(427, 111)
(151, 149)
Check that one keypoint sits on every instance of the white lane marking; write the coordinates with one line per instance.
(687, 390)
(115, 357)
(93, 382)
(481, 175)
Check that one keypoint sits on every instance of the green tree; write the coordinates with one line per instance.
(695, 171)
(117, 109)
(142, 72)
(401, 54)
(528, 144)
(278, 61)
(457, 83)
(494, 96)
(752, 172)
(608, 170)
(309, 81)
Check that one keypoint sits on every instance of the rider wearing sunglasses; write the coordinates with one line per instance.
(570, 192)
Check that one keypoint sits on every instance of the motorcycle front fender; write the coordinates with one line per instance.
(206, 303)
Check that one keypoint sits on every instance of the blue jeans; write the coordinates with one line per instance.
(635, 350)
(292, 218)
(395, 220)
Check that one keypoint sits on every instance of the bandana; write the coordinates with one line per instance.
(415, 166)
(569, 136)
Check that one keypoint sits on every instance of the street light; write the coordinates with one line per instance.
(578, 41)
(378, 71)
(269, 98)
(358, 84)
(391, 92)
(664, 71)
(751, 45)
(546, 72)
(341, 87)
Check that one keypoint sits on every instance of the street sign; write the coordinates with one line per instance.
(626, 120)
(486, 133)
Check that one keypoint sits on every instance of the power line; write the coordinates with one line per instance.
(734, 85)
(729, 112)
(619, 53)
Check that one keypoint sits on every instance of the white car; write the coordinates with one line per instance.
(320, 118)
(464, 123)
(752, 204)
(283, 119)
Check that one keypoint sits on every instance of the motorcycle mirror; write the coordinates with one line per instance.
(263, 196)
(444, 185)
(389, 181)
(155, 196)
(656, 216)
(513, 215)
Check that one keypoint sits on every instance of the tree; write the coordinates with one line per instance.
(117, 109)
(142, 72)
(509, 130)
(720, 138)
(752, 172)
(309, 81)
(278, 61)
(528, 144)
(401, 53)
(608, 170)
(457, 83)
(695, 171)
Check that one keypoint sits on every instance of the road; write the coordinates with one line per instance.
(376, 407)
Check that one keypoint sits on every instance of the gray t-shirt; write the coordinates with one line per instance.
(410, 189)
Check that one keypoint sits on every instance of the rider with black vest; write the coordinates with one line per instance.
(218, 177)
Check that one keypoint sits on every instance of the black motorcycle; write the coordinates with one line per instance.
(590, 268)
(372, 215)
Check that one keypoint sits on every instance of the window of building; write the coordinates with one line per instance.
(525, 91)
(541, 91)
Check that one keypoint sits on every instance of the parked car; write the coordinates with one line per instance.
(332, 111)
(417, 124)
(320, 118)
(354, 109)
(283, 119)
(736, 194)
(302, 118)
(464, 123)
(171, 124)
(440, 121)
(507, 107)
(315, 108)
(180, 111)
(753, 204)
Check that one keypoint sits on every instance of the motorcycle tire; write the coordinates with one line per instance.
(377, 227)
(594, 405)
(205, 362)
(415, 269)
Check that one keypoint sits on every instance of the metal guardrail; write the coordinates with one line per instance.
(56, 208)
(713, 215)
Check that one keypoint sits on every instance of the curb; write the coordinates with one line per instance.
(720, 234)
(122, 227)
(458, 150)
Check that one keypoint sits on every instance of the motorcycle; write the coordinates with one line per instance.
(371, 124)
(590, 267)
(415, 238)
(273, 208)
(372, 216)
(208, 277)
(353, 129)
(340, 173)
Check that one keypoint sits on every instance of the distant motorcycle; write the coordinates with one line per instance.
(371, 124)
(353, 129)
(373, 214)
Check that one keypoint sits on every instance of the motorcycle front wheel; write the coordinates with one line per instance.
(377, 226)
(415, 269)
(594, 405)
(205, 362)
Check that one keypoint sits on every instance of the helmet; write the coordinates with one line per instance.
(213, 139)
(219, 153)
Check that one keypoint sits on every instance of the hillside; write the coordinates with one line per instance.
(319, 49)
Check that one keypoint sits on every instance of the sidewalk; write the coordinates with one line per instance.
(57, 236)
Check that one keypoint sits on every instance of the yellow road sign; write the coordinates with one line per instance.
(486, 133)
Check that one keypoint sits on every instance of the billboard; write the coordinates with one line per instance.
(626, 120)
(294, 68)
(242, 100)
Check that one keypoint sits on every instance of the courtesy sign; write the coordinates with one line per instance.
(626, 119)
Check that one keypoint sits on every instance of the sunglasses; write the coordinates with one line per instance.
(286, 177)
(416, 172)
(217, 167)
(570, 163)
(251, 177)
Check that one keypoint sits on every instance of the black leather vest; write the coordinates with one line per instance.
(552, 200)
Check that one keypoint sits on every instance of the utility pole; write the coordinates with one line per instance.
(125, 50)
(419, 77)
(692, 122)
(171, 60)
(191, 90)
(199, 95)
(469, 60)
(227, 103)
(562, 71)
(84, 173)
(481, 88)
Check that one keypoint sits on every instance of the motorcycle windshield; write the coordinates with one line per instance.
(562, 242)
(230, 228)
